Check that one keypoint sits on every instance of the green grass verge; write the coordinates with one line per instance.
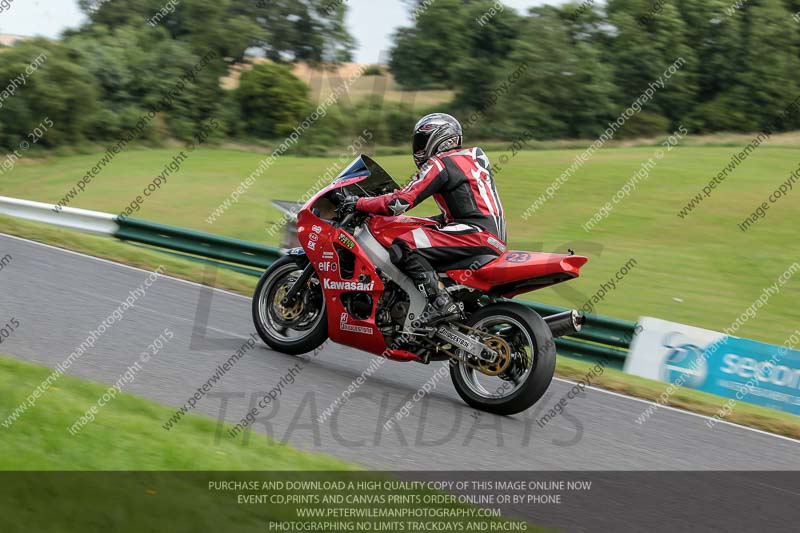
(127, 437)
(691, 400)
(701, 271)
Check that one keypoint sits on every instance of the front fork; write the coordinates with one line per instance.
(297, 287)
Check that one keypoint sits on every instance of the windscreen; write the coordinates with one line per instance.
(378, 181)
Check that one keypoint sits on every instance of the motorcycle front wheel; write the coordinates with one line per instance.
(525, 365)
(296, 329)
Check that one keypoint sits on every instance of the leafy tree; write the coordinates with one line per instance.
(642, 47)
(770, 63)
(491, 38)
(718, 45)
(60, 89)
(425, 55)
(303, 30)
(565, 89)
(272, 100)
(285, 30)
(134, 69)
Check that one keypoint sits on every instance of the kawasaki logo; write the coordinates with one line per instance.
(348, 285)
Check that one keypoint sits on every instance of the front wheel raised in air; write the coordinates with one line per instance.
(525, 365)
(294, 329)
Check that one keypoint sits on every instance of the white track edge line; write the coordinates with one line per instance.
(121, 264)
(677, 410)
(612, 393)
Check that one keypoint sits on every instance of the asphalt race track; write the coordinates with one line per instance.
(59, 296)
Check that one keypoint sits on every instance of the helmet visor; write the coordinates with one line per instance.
(419, 147)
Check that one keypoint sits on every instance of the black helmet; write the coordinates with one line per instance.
(434, 134)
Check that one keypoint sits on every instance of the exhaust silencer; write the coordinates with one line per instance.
(566, 323)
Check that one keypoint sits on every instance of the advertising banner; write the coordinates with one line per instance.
(713, 362)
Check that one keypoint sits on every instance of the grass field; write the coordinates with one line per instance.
(127, 437)
(701, 270)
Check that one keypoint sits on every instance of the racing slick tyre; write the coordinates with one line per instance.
(524, 367)
(295, 329)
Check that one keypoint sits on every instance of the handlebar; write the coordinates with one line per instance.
(347, 219)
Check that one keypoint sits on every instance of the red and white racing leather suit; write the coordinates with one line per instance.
(472, 221)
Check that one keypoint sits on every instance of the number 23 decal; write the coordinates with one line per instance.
(518, 257)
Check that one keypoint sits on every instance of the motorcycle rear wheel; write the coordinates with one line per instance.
(533, 361)
(299, 329)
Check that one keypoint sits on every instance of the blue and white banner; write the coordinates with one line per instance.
(746, 370)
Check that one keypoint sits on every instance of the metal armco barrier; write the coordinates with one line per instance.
(197, 243)
(600, 339)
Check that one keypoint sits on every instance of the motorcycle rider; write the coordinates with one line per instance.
(471, 222)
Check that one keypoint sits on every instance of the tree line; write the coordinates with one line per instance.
(99, 80)
(575, 68)
(587, 62)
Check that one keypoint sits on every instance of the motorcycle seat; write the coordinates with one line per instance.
(468, 263)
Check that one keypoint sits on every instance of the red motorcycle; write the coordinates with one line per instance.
(341, 285)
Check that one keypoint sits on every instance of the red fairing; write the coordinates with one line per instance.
(387, 229)
(514, 268)
(320, 239)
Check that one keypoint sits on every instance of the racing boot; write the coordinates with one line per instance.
(441, 307)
